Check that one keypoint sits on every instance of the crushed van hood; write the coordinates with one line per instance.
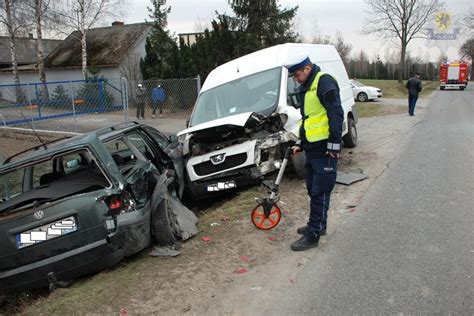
(238, 120)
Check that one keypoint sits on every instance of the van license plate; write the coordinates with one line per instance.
(46, 232)
(221, 186)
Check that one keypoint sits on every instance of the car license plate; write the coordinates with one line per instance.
(46, 232)
(221, 186)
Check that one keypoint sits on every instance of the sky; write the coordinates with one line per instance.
(325, 16)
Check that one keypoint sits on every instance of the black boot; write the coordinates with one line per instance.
(305, 243)
(302, 231)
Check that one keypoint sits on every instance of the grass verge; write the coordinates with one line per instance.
(371, 109)
(394, 89)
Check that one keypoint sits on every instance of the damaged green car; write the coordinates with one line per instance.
(79, 205)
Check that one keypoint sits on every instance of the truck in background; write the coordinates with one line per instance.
(453, 75)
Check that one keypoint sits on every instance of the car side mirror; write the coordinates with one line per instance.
(187, 123)
(173, 139)
(293, 100)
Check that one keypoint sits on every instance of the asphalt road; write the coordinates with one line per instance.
(410, 247)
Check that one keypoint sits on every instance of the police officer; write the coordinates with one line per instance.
(320, 139)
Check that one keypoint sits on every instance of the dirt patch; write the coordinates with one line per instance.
(230, 262)
(15, 141)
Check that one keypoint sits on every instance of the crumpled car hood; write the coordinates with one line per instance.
(238, 120)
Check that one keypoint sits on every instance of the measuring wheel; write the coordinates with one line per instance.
(266, 215)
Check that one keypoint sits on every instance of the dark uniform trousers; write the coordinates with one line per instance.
(320, 181)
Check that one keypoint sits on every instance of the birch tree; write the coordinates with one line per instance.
(13, 17)
(82, 15)
(401, 19)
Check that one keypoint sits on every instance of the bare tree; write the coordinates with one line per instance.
(402, 19)
(13, 16)
(467, 49)
(82, 15)
(40, 10)
(342, 47)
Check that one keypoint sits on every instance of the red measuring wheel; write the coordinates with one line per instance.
(266, 215)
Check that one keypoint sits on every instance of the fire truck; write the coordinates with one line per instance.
(453, 75)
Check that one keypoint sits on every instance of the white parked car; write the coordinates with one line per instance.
(364, 93)
(246, 116)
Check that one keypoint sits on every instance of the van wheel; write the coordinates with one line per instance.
(163, 223)
(299, 161)
(362, 97)
(441, 88)
(461, 88)
(350, 139)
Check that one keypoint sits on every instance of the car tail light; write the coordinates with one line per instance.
(119, 204)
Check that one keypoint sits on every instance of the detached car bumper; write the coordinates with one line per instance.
(66, 266)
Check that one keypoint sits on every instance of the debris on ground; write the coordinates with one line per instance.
(241, 270)
(215, 224)
(164, 252)
(206, 239)
(256, 288)
(351, 177)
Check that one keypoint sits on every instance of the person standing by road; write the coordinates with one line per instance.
(414, 88)
(158, 97)
(320, 139)
(141, 101)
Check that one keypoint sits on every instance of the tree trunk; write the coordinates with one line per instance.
(401, 68)
(11, 38)
(40, 50)
(82, 22)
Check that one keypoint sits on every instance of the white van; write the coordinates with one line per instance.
(245, 117)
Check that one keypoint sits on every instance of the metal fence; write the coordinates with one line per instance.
(171, 98)
(86, 105)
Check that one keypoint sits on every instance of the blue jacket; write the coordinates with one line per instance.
(328, 94)
(158, 94)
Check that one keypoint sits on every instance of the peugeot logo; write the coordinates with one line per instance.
(38, 214)
(218, 159)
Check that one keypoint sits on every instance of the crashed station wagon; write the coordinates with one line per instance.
(76, 206)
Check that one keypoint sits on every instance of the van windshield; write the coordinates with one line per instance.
(255, 93)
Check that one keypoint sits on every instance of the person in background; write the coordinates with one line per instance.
(158, 97)
(141, 101)
(414, 88)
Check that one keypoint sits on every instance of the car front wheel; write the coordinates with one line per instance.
(362, 97)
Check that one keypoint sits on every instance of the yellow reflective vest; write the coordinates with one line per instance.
(315, 120)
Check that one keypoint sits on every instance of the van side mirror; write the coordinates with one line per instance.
(293, 100)
(187, 123)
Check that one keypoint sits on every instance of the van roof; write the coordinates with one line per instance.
(267, 58)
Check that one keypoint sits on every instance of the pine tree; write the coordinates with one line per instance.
(162, 52)
(262, 23)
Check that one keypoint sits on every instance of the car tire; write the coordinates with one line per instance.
(299, 162)
(163, 221)
(350, 139)
(462, 88)
(362, 97)
(441, 88)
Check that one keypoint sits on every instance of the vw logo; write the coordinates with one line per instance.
(38, 214)
(218, 159)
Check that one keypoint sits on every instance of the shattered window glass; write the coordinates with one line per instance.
(11, 184)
